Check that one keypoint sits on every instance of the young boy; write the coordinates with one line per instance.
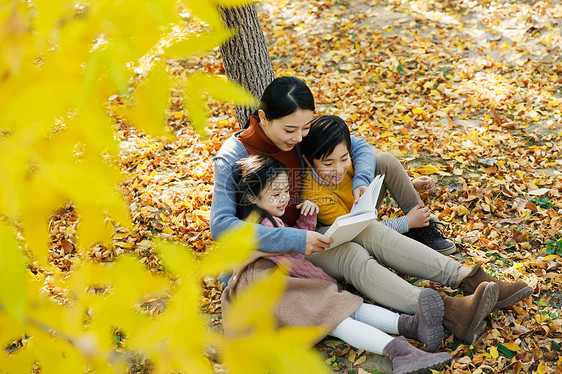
(364, 261)
(329, 184)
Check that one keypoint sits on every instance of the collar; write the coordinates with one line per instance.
(256, 139)
(317, 177)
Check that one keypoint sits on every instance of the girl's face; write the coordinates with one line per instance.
(332, 168)
(275, 196)
(288, 131)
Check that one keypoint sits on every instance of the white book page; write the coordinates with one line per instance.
(346, 228)
(368, 200)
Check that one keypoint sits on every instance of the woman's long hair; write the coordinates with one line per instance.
(256, 173)
(284, 96)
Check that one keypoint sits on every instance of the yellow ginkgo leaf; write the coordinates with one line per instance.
(196, 107)
(132, 280)
(12, 275)
(93, 127)
(252, 308)
(234, 3)
(197, 44)
(494, 352)
(549, 257)
(11, 329)
(360, 360)
(290, 342)
(21, 361)
(109, 61)
(206, 11)
(15, 37)
(38, 202)
(511, 346)
(55, 354)
(427, 169)
(232, 248)
(151, 99)
(222, 89)
(268, 352)
(540, 368)
(176, 258)
(199, 84)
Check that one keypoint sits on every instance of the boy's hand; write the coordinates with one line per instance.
(418, 216)
(316, 242)
(358, 192)
(308, 207)
(424, 184)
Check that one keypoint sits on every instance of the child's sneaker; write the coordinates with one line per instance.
(433, 237)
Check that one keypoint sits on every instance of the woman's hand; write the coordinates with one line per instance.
(316, 242)
(424, 184)
(418, 216)
(308, 207)
(357, 192)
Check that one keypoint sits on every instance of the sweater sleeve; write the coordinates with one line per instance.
(364, 162)
(307, 222)
(399, 224)
(223, 211)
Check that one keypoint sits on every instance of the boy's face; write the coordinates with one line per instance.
(333, 167)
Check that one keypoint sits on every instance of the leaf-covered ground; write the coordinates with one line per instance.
(466, 91)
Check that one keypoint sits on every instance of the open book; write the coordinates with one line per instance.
(345, 228)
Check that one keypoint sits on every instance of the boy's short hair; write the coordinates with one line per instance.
(326, 132)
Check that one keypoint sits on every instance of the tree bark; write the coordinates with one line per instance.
(245, 57)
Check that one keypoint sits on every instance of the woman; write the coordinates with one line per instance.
(276, 129)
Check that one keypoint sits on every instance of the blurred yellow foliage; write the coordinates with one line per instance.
(60, 61)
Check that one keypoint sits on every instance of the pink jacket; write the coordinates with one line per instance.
(299, 267)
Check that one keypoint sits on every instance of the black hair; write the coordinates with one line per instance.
(326, 132)
(256, 173)
(284, 96)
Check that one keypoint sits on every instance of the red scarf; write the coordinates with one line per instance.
(257, 143)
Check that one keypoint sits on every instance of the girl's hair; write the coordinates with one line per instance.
(326, 132)
(256, 174)
(284, 96)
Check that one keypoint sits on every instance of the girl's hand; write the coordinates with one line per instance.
(418, 216)
(308, 207)
(358, 192)
(424, 184)
(316, 242)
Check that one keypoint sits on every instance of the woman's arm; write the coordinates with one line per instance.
(223, 213)
(364, 162)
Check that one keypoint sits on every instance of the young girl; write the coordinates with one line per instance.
(313, 298)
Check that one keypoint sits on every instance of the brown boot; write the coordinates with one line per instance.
(510, 293)
(407, 359)
(464, 316)
(426, 325)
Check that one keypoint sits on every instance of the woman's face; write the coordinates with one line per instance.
(288, 131)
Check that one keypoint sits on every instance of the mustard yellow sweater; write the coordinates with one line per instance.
(337, 201)
(333, 201)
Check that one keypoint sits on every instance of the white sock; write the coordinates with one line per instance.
(381, 318)
(361, 335)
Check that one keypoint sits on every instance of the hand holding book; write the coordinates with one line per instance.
(345, 228)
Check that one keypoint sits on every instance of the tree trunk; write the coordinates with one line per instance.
(245, 57)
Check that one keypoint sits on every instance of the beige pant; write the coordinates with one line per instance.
(361, 262)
